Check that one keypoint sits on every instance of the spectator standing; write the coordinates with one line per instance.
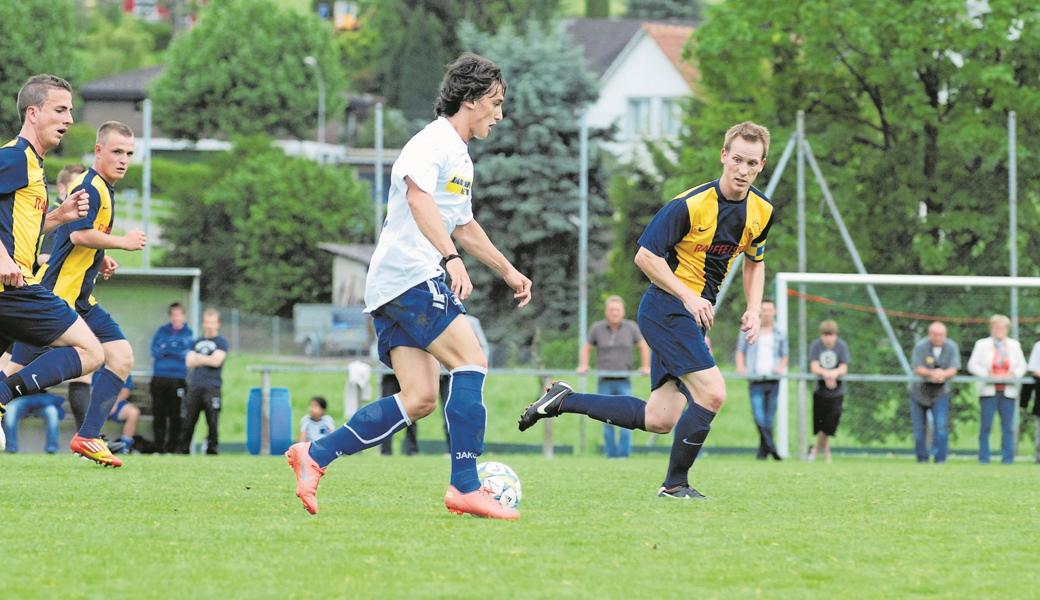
(764, 360)
(614, 338)
(935, 360)
(170, 345)
(316, 424)
(206, 361)
(829, 356)
(1034, 391)
(997, 356)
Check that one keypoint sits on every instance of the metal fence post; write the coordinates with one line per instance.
(275, 331)
(265, 412)
(236, 340)
(547, 437)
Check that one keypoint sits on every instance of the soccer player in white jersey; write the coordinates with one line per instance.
(418, 316)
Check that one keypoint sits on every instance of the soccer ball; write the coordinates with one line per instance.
(501, 481)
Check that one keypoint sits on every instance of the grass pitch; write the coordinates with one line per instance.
(230, 527)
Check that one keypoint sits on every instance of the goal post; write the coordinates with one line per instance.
(911, 301)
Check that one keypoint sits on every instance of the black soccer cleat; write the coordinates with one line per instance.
(547, 406)
(682, 492)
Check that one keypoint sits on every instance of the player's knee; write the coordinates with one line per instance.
(419, 404)
(120, 361)
(132, 412)
(714, 399)
(660, 423)
(91, 356)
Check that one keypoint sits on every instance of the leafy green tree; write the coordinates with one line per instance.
(663, 9)
(400, 49)
(114, 47)
(597, 8)
(255, 231)
(526, 188)
(906, 105)
(38, 38)
(240, 71)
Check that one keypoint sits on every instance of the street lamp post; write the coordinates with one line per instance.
(312, 62)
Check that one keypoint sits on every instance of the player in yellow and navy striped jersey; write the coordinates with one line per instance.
(77, 259)
(686, 252)
(29, 312)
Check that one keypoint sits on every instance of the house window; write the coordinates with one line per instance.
(671, 117)
(638, 118)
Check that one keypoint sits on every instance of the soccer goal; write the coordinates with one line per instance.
(881, 318)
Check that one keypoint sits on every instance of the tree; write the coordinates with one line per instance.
(597, 9)
(241, 71)
(906, 105)
(526, 188)
(663, 9)
(125, 44)
(400, 49)
(255, 232)
(38, 38)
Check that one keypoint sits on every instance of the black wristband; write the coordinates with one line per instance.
(446, 259)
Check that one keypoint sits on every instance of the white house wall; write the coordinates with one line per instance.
(641, 71)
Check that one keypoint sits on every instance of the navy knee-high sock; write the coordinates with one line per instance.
(51, 368)
(106, 389)
(466, 417)
(368, 427)
(623, 411)
(689, 435)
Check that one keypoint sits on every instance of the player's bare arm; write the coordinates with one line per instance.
(475, 241)
(92, 238)
(658, 271)
(754, 285)
(428, 218)
(10, 272)
(74, 207)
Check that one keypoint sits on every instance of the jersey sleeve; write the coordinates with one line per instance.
(87, 222)
(669, 226)
(14, 170)
(222, 343)
(756, 251)
(421, 162)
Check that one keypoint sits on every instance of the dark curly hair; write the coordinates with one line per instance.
(470, 77)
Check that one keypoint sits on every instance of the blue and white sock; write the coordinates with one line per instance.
(103, 395)
(368, 427)
(466, 417)
(624, 411)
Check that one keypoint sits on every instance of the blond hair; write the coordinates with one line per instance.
(749, 132)
(998, 318)
(614, 298)
(211, 312)
(829, 327)
(109, 126)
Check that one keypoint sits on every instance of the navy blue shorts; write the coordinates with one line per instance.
(416, 317)
(32, 315)
(97, 318)
(677, 343)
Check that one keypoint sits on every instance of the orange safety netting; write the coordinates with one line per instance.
(899, 313)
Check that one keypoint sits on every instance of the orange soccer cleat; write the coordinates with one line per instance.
(479, 504)
(308, 474)
(94, 449)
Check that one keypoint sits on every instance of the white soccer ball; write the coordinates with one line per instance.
(501, 481)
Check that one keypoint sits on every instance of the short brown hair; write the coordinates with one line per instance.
(750, 132)
(34, 92)
(211, 312)
(829, 327)
(113, 126)
(68, 172)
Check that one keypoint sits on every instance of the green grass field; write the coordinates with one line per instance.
(230, 527)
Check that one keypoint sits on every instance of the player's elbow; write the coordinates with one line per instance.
(78, 238)
(641, 258)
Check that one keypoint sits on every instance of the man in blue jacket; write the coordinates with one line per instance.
(170, 345)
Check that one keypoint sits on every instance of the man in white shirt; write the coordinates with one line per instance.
(420, 319)
(999, 357)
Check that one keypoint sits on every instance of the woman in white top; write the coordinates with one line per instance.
(997, 356)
